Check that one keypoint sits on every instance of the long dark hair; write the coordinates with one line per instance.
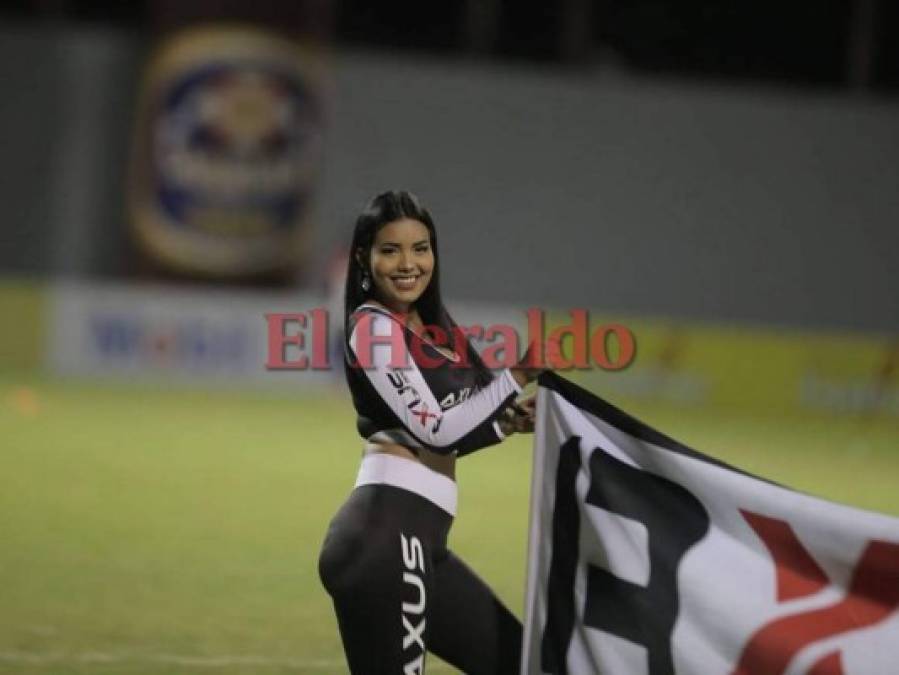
(386, 208)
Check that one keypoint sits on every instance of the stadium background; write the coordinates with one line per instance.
(723, 181)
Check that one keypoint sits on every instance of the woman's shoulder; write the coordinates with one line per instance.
(374, 308)
(377, 318)
(371, 306)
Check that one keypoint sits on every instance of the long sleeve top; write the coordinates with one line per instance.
(407, 391)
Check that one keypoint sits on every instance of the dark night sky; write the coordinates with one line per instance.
(798, 42)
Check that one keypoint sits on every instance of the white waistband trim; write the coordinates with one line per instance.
(381, 468)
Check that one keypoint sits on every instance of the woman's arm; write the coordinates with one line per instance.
(467, 426)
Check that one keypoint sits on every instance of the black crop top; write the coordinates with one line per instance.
(408, 392)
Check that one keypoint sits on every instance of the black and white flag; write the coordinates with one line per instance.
(648, 558)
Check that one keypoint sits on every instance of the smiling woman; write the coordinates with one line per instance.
(398, 591)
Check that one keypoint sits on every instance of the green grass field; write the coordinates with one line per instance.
(148, 531)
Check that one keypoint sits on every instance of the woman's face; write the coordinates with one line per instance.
(402, 261)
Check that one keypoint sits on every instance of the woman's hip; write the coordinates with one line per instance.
(377, 528)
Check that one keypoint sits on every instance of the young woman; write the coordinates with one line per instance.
(422, 402)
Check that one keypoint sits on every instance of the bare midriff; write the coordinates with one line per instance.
(442, 464)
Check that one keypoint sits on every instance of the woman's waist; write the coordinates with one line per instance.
(442, 464)
(389, 466)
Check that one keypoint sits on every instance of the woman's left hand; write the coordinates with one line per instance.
(520, 417)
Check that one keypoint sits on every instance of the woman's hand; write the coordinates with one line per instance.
(526, 414)
(519, 417)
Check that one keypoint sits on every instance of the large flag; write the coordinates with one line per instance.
(648, 558)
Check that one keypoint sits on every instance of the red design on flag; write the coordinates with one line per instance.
(829, 664)
(798, 574)
(873, 595)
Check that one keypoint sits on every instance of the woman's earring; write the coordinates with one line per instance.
(366, 282)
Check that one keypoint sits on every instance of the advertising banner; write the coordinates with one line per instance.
(172, 334)
(226, 152)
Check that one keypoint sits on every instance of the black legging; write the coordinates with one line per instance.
(398, 590)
